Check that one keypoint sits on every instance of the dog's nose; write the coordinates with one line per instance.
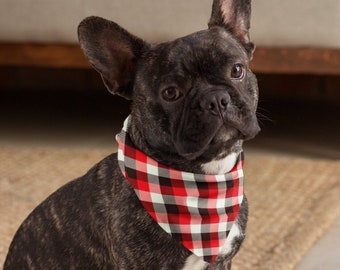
(215, 102)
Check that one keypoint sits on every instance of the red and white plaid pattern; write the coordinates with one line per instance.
(197, 210)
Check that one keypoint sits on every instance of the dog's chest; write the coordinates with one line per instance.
(195, 262)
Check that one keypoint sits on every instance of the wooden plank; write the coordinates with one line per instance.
(42, 55)
(297, 61)
(266, 59)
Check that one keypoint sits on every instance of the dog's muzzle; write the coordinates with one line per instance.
(218, 103)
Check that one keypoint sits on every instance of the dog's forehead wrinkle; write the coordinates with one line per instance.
(215, 39)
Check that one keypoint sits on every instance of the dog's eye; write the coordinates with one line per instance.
(237, 72)
(171, 94)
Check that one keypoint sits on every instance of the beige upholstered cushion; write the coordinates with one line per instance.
(274, 23)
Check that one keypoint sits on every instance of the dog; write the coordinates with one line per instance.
(194, 103)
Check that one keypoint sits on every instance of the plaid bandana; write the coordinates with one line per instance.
(197, 210)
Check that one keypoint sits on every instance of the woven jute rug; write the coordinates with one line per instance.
(292, 201)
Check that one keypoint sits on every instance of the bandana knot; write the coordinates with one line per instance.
(197, 210)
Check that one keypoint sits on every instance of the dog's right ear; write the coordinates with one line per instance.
(112, 51)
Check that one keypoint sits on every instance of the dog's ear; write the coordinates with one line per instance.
(234, 15)
(112, 51)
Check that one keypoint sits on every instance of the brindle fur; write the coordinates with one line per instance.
(96, 221)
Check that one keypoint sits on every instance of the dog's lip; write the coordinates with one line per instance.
(240, 135)
(193, 155)
(238, 130)
(196, 154)
(248, 131)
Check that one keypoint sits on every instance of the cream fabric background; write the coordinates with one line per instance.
(274, 22)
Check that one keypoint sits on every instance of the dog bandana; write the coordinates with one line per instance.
(197, 210)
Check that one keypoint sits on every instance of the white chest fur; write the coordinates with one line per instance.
(194, 262)
(220, 166)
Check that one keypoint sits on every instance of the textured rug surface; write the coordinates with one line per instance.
(292, 201)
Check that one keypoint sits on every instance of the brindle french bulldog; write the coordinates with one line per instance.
(194, 103)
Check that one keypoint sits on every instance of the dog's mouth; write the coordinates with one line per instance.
(214, 135)
(248, 128)
(193, 149)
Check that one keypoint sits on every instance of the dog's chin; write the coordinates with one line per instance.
(220, 143)
(191, 153)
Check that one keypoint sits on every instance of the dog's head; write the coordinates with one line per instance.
(193, 98)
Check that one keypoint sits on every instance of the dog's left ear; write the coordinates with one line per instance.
(234, 15)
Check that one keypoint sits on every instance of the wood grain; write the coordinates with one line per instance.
(42, 55)
(297, 60)
(266, 59)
